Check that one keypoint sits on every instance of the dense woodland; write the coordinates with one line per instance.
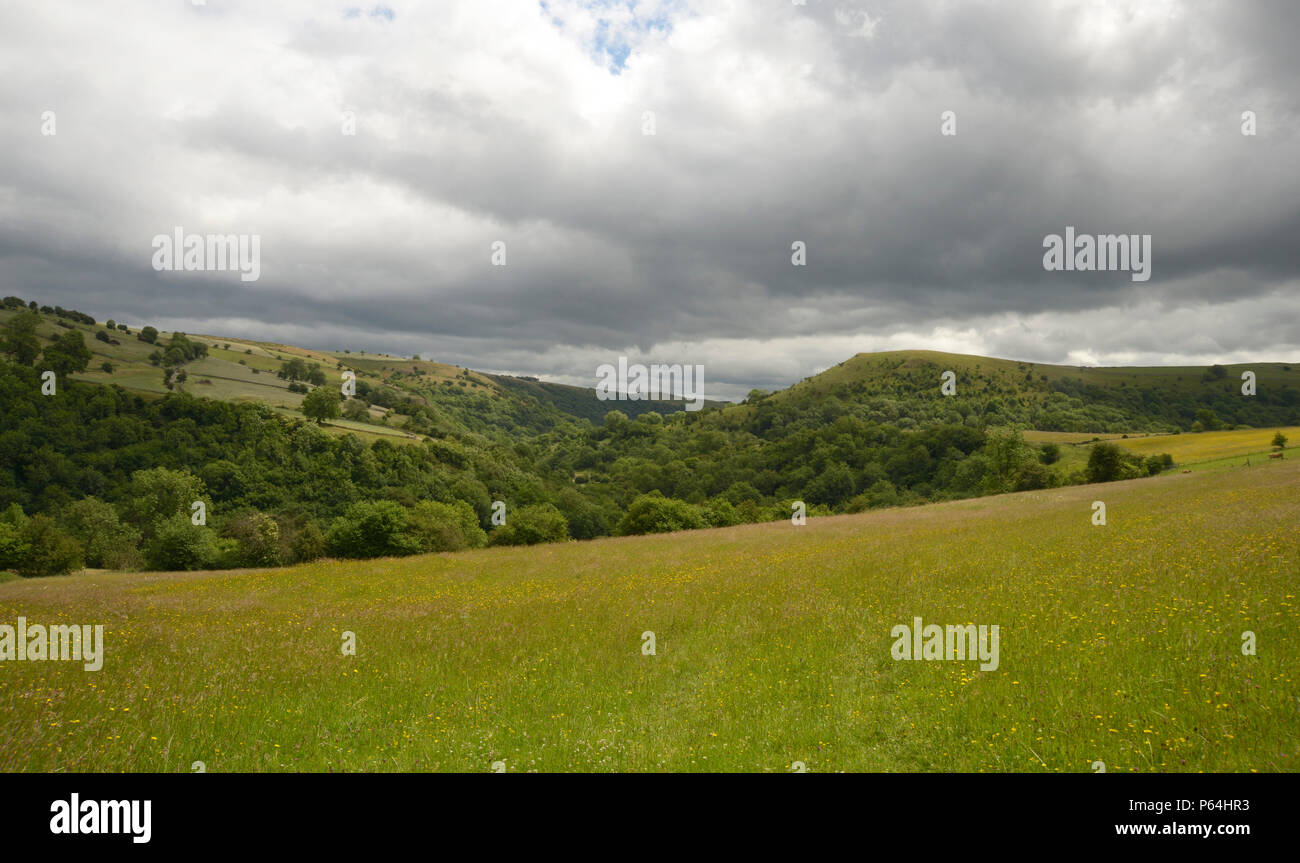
(99, 476)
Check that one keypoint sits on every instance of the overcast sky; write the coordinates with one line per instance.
(524, 122)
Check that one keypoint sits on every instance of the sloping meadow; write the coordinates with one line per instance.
(1163, 640)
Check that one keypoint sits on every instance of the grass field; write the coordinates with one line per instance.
(1119, 643)
(1220, 450)
(1040, 437)
(1204, 446)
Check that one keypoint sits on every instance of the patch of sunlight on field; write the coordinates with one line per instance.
(1202, 446)
(1033, 436)
(1119, 643)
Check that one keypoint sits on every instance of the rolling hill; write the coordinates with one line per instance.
(904, 387)
(407, 398)
(873, 432)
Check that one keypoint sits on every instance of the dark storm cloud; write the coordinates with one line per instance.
(774, 123)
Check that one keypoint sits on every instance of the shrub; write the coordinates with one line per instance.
(108, 543)
(177, 543)
(739, 492)
(654, 513)
(857, 503)
(372, 529)
(1030, 476)
(1105, 463)
(750, 511)
(321, 404)
(13, 548)
(882, 493)
(50, 551)
(36, 546)
(530, 525)
(309, 543)
(257, 539)
(1154, 464)
(446, 526)
(718, 512)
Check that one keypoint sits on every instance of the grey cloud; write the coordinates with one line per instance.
(774, 123)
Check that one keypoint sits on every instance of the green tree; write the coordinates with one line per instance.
(160, 493)
(1009, 456)
(293, 370)
(179, 544)
(36, 546)
(50, 551)
(18, 340)
(719, 512)
(107, 542)
(587, 518)
(1030, 476)
(1105, 463)
(13, 548)
(909, 465)
(68, 355)
(308, 544)
(148, 334)
(224, 479)
(181, 349)
(654, 513)
(882, 493)
(257, 538)
(372, 529)
(1279, 440)
(529, 525)
(834, 485)
(321, 404)
(616, 422)
(1208, 419)
(446, 526)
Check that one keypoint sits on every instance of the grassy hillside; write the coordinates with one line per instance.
(989, 374)
(454, 399)
(903, 387)
(1119, 644)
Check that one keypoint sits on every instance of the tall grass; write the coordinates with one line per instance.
(1119, 644)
